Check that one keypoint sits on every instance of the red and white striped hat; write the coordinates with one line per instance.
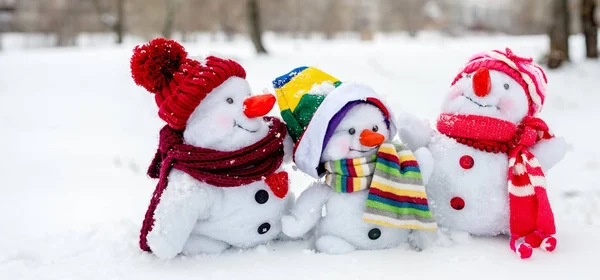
(529, 75)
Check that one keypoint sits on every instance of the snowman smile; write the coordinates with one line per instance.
(479, 104)
(235, 124)
(363, 151)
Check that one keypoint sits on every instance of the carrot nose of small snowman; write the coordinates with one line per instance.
(482, 84)
(369, 138)
(259, 105)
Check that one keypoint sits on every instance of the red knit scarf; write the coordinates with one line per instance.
(531, 217)
(222, 169)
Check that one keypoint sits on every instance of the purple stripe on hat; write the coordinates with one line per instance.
(337, 118)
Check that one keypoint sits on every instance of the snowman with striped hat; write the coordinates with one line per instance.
(491, 152)
(372, 188)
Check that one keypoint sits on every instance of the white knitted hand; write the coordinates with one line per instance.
(549, 152)
(415, 133)
(306, 211)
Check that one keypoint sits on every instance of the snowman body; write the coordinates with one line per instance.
(219, 218)
(467, 189)
(194, 217)
(344, 220)
(341, 229)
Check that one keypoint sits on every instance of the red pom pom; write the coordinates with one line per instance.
(153, 64)
(524, 251)
(549, 244)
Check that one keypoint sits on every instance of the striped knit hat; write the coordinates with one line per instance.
(178, 83)
(310, 100)
(529, 75)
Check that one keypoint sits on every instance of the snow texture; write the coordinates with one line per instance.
(77, 136)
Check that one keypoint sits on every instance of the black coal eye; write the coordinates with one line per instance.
(351, 131)
(375, 128)
(468, 75)
(506, 86)
(230, 100)
(374, 234)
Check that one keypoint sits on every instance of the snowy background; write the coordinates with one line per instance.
(77, 135)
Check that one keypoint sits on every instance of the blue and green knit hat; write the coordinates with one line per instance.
(299, 99)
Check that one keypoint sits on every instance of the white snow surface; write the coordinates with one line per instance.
(77, 136)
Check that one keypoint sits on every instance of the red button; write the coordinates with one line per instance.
(466, 162)
(457, 203)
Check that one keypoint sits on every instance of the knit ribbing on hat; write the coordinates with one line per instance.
(179, 83)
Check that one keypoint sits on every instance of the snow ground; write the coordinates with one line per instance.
(77, 135)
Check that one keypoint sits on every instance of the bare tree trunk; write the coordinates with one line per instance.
(116, 25)
(254, 26)
(119, 27)
(559, 34)
(167, 31)
(590, 28)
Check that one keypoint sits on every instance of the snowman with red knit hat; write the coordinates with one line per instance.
(491, 152)
(218, 163)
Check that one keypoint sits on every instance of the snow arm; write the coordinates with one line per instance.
(425, 161)
(549, 152)
(288, 149)
(306, 211)
(182, 203)
(415, 133)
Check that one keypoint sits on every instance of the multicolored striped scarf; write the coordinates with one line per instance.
(397, 195)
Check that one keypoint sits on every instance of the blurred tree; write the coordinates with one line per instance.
(254, 25)
(116, 22)
(413, 16)
(167, 30)
(7, 10)
(590, 27)
(559, 34)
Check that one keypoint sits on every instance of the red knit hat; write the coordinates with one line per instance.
(179, 83)
(530, 76)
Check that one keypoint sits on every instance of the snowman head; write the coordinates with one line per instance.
(360, 131)
(229, 118)
(208, 100)
(499, 85)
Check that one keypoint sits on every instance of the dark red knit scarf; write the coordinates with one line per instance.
(531, 217)
(223, 169)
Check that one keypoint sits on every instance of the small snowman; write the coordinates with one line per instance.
(218, 163)
(373, 189)
(491, 151)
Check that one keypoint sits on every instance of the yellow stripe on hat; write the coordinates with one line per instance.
(299, 85)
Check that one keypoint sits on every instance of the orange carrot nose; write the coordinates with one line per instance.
(371, 139)
(482, 84)
(258, 106)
